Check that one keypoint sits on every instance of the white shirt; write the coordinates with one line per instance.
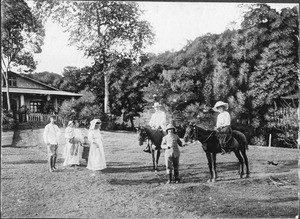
(69, 132)
(51, 134)
(223, 119)
(158, 119)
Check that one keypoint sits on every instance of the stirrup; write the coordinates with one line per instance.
(223, 151)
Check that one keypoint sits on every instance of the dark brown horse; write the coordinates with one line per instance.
(210, 145)
(154, 139)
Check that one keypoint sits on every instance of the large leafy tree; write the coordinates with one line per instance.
(106, 31)
(127, 90)
(22, 35)
(276, 73)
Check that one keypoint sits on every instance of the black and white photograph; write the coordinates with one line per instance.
(150, 109)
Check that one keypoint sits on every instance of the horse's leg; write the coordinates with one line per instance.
(153, 157)
(239, 157)
(208, 156)
(246, 162)
(214, 167)
(157, 158)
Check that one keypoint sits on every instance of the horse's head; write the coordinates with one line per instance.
(142, 135)
(189, 133)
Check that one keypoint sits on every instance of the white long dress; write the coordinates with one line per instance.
(96, 159)
(78, 140)
(70, 159)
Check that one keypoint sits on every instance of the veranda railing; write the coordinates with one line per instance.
(40, 117)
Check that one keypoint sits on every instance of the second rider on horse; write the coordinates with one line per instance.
(223, 126)
(157, 121)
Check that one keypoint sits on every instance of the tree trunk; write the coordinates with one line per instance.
(106, 94)
(7, 92)
(131, 121)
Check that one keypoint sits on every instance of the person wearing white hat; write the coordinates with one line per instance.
(223, 124)
(96, 159)
(157, 121)
(51, 136)
(170, 142)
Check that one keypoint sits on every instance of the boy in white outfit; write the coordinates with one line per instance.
(170, 142)
(51, 136)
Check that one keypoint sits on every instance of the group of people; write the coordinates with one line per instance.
(93, 151)
(90, 148)
(171, 141)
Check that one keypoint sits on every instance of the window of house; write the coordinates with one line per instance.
(12, 81)
(36, 107)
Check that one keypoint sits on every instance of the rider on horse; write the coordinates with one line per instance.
(223, 126)
(157, 121)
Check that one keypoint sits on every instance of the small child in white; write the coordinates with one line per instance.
(86, 149)
(170, 142)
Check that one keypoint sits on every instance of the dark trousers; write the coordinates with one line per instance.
(224, 135)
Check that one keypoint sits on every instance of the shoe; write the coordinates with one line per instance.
(54, 168)
(168, 182)
(147, 150)
(51, 170)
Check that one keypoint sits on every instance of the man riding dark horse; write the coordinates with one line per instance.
(157, 122)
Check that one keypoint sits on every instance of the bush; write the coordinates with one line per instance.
(259, 141)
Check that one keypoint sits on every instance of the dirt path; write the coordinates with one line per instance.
(128, 187)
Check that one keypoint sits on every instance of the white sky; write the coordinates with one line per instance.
(173, 24)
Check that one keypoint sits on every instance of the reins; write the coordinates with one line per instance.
(195, 135)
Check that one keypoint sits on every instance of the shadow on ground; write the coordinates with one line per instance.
(25, 162)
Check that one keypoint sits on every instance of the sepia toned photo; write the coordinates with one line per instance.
(149, 109)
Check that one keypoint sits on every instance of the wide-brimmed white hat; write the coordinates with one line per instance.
(93, 123)
(156, 105)
(170, 126)
(220, 103)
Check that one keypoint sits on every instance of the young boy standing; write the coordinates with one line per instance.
(170, 142)
(51, 137)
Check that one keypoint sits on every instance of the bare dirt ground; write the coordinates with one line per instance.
(129, 188)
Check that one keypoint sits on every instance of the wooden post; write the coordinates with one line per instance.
(270, 138)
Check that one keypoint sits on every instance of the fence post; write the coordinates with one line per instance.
(270, 138)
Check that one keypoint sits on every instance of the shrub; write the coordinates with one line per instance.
(259, 141)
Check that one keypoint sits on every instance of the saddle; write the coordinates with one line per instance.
(230, 144)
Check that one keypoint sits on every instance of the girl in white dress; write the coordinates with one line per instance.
(71, 157)
(96, 160)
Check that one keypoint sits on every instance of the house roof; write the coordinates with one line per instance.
(40, 91)
(31, 79)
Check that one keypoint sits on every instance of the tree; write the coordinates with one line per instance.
(105, 30)
(22, 35)
(276, 73)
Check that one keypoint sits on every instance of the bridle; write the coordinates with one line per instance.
(195, 134)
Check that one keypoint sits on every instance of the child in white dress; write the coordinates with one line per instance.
(96, 160)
